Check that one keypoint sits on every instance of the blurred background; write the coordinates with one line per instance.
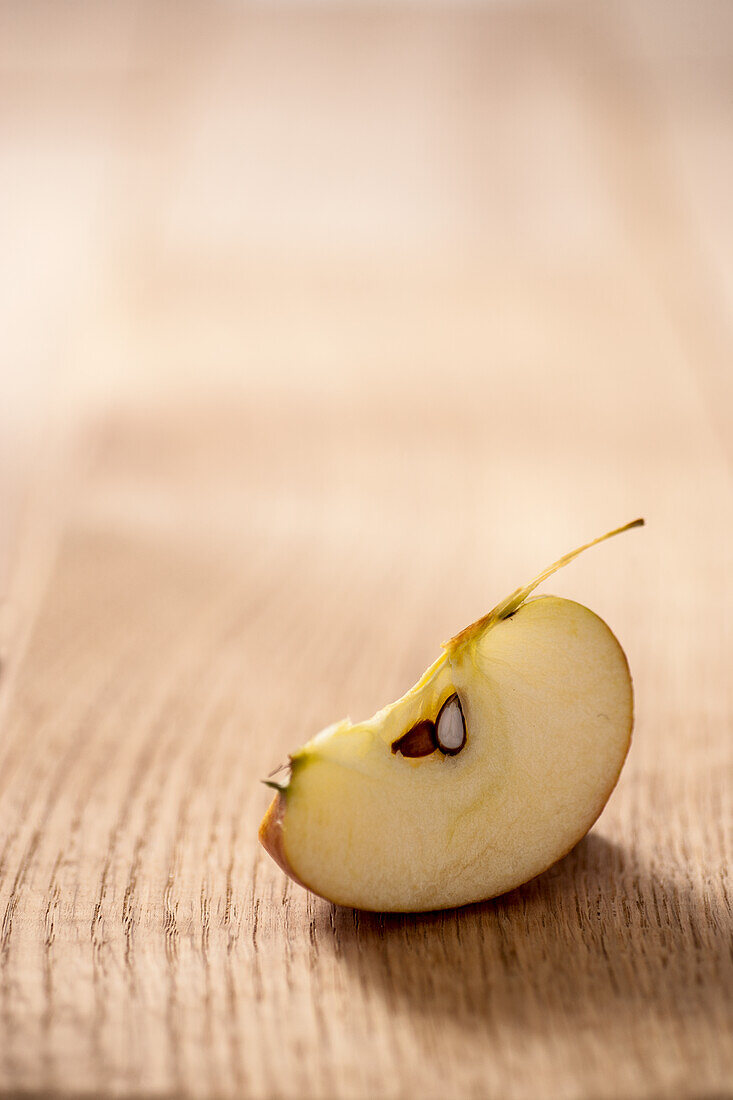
(383, 278)
(454, 237)
(324, 326)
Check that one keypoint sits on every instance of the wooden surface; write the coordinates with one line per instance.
(324, 328)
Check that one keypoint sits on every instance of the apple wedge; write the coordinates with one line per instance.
(491, 768)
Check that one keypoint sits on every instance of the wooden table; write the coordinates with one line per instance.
(323, 328)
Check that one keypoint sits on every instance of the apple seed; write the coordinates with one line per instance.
(450, 726)
(418, 741)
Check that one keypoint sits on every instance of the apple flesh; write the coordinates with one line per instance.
(545, 694)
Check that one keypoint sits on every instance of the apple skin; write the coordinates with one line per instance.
(271, 836)
(273, 832)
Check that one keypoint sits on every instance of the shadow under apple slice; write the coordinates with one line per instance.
(593, 936)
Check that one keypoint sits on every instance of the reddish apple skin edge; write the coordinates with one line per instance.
(271, 836)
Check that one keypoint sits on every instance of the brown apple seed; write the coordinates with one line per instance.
(421, 740)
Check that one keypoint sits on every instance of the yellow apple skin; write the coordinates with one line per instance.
(548, 704)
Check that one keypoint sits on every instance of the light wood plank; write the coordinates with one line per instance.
(380, 310)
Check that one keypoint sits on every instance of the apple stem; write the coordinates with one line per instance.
(514, 601)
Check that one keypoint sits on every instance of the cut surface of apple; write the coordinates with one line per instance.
(491, 768)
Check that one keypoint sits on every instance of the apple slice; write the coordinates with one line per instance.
(491, 768)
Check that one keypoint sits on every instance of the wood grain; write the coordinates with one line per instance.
(330, 326)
